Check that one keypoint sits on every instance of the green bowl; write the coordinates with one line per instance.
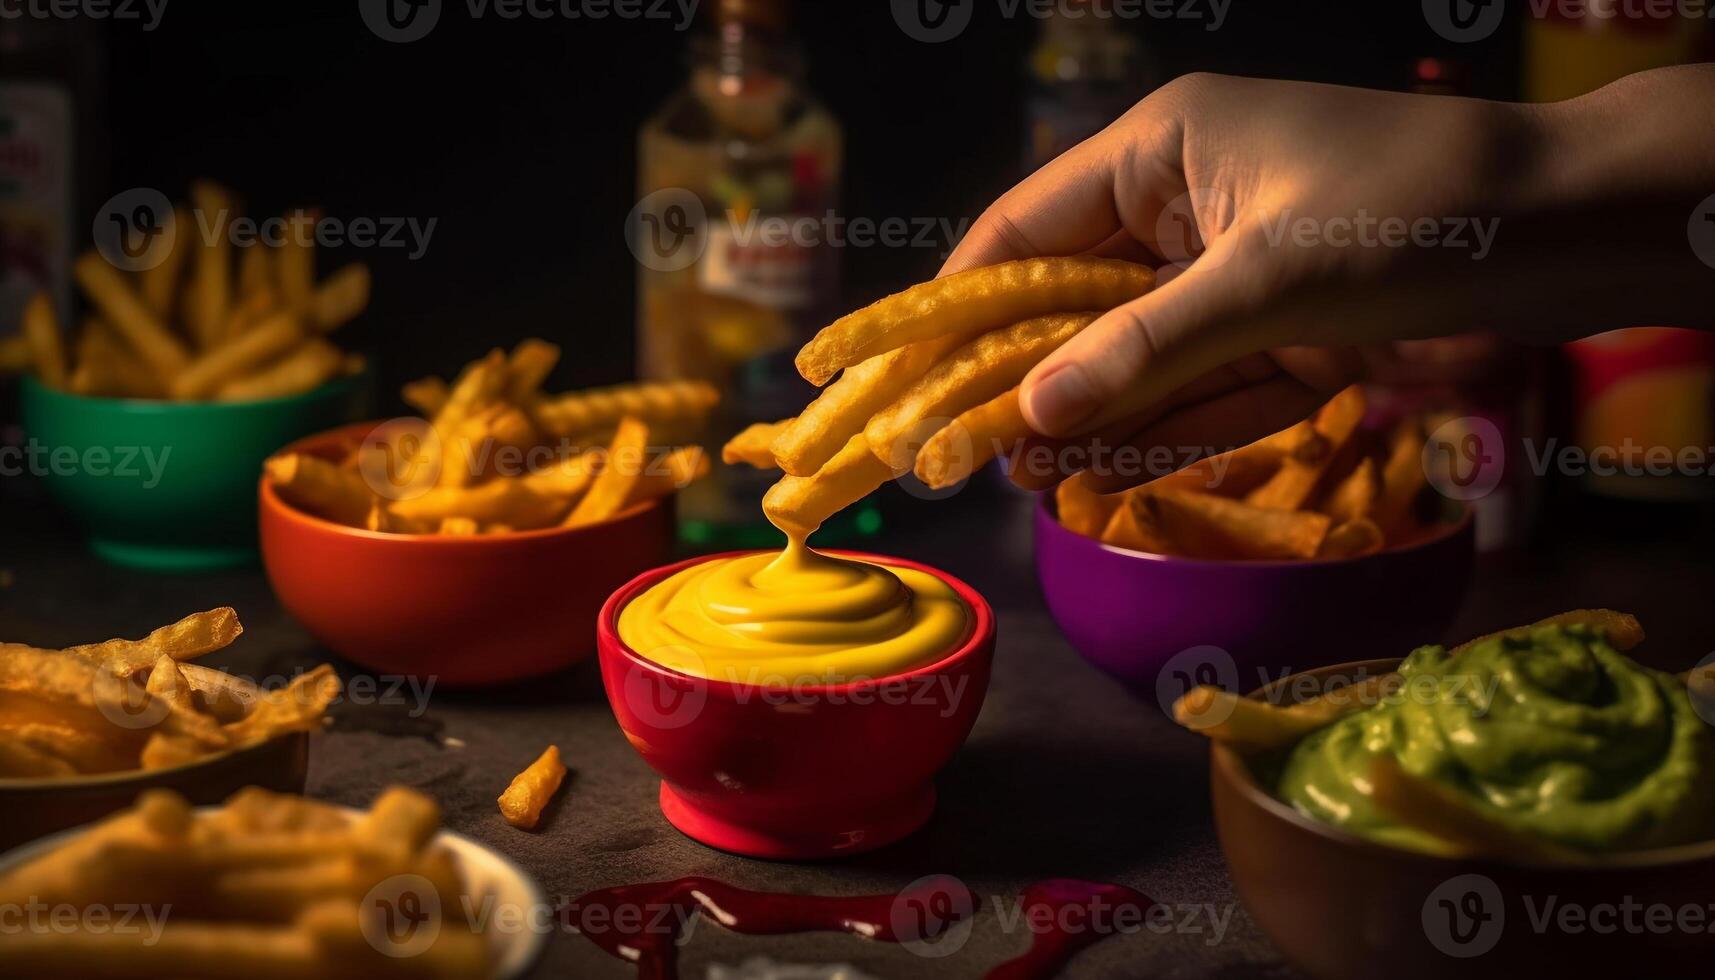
(170, 486)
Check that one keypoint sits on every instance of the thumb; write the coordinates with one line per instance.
(1136, 355)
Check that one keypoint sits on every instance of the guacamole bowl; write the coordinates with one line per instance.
(1342, 907)
(1158, 623)
(800, 772)
(170, 486)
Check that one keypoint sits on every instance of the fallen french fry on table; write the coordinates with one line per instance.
(522, 802)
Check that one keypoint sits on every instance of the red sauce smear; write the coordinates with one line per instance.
(642, 923)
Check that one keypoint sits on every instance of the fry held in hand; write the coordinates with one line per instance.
(753, 445)
(522, 802)
(844, 407)
(969, 302)
(799, 505)
(971, 440)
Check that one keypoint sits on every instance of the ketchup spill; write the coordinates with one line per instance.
(642, 923)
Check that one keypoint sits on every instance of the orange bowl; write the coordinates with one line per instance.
(464, 610)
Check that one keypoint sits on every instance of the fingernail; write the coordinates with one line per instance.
(1061, 399)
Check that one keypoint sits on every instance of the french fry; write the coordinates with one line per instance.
(15, 354)
(314, 362)
(566, 477)
(105, 367)
(240, 355)
(47, 346)
(1254, 726)
(970, 302)
(1207, 526)
(426, 395)
(339, 299)
(799, 504)
(1134, 524)
(1296, 481)
(249, 309)
(257, 275)
(972, 374)
(1352, 539)
(1083, 510)
(226, 697)
(1622, 630)
(513, 502)
(1356, 495)
(527, 367)
(522, 802)
(1443, 813)
(621, 469)
(159, 284)
(672, 471)
(194, 636)
(401, 819)
(842, 409)
(319, 487)
(978, 435)
(297, 257)
(210, 293)
(752, 445)
(121, 307)
(1403, 478)
(656, 403)
(297, 707)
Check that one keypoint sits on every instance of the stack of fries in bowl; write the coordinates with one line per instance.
(1255, 551)
(477, 543)
(270, 887)
(85, 729)
(182, 377)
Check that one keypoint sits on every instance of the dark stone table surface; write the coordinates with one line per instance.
(1065, 775)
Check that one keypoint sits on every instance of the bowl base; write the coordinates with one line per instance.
(875, 828)
(173, 558)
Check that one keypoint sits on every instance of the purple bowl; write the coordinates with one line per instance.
(1161, 624)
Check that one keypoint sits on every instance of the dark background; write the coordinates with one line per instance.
(519, 137)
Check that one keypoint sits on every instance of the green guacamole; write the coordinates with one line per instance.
(1553, 733)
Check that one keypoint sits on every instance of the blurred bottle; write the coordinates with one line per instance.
(1086, 70)
(761, 157)
(1640, 396)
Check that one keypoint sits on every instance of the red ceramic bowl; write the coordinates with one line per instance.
(804, 772)
(1341, 907)
(465, 610)
(1159, 623)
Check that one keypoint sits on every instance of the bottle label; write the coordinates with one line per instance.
(762, 261)
(35, 196)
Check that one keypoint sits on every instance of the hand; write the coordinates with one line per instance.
(1310, 236)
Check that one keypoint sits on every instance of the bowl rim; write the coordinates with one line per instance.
(1226, 763)
(272, 502)
(163, 406)
(29, 783)
(1046, 512)
(977, 637)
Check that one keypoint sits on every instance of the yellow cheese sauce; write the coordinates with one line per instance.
(797, 617)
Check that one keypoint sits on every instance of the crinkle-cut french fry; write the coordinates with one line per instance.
(47, 346)
(656, 403)
(752, 445)
(106, 367)
(256, 274)
(196, 635)
(527, 367)
(972, 374)
(970, 302)
(339, 298)
(1352, 539)
(314, 362)
(159, 284)
(242, 354)
(296, 257)
(120, 306)
(210, 293)
(505, 501)
(320, 487)
(15, 354)
(1135, 524)
(1205, 526)
(1083, 510)
(426, 395)
(621, 468)
(1403, 478)
(842, 408)
(799, 504)
(1293, 485)
(671, 471)
(979, 434)
(522, 802)
(1356, 495)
